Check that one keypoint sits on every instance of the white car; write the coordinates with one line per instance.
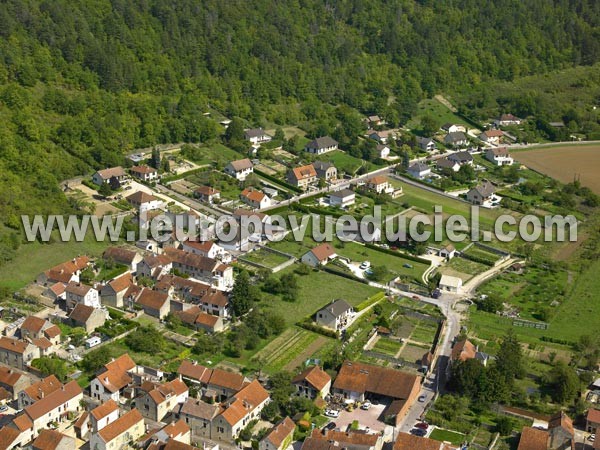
(592, 437)
(364, 265)
(332, 413)
(366, 405)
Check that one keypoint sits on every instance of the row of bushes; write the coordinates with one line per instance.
(307, 324)
(277, 181)
(343, 274)
(478, 259)
(317, 210)
(399, 255)
(557, 341)
(370, 301)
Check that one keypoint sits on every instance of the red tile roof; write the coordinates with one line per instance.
(463, 350)
(104, 409)
(143, 169)
(303, 172)
(49, 440)
(593, 415)
(52, 332)
(81, 313)
(121, 425)
(43, 388)
(8, 376)
(406, 441)
(119, 254)
(193, 370)
(253, 195)
(78, 289)
(245, 401)
(13, 345)
(323, 251)
(207, 190)
(315, 376)
(280, 432)
(152, 299)
(229, 380)
(53, 400)
(533, 439)
(33, 324)
(8, 435)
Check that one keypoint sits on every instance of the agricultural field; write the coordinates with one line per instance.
(264, 257)
(289, 350)
(465, 269)
(565, 163)
(387, 346)
(482, 254)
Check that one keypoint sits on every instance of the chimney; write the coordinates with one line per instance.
(41, 392)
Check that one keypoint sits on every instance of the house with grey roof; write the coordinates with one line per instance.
(456, 139)
(426, 144)
(336, 316)
(481, 193)
(325, 170)
(257, 136)
(321, 145)
(419, 170)
(462, 158)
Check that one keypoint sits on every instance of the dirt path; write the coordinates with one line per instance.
(307, 353)
(446, 103)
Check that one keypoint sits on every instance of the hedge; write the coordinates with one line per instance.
(277, 181)
(316, 210)
(370, 301)
(343, 274)
(397, 254)
(310, 326)
(478, 259)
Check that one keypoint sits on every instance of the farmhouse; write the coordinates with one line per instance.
(279, 437)
(426, 144)
(325, 170)
(450, 284)
(200, 320)
(257, 136)
(481, 193)
(13, 382)
(105, 175)
(207, 194)
(312, 382)
(359, 382)
(336, 316)
(302, 177)
(145, 173)
(321, 254)
(499, 156)
(491, 136)
(255, 199)
(419, 170)
(343, 198)
(198, 415)
(456, 139)
(321, 145)
(154, 266)
(239, 169)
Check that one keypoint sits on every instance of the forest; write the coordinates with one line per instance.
(83, 82)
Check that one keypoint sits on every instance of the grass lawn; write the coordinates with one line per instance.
(446, 435)
(33, 258)
(216, 152)
(465, 266)
(424, 332)
(153, 358)
(228, 186)
(387, 346)
(440, 113)
(315, 291)
(266, 258)
(347, 163)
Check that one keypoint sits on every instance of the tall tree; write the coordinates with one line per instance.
(155, 158)
(509, 360)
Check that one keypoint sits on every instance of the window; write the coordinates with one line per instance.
(220, 430)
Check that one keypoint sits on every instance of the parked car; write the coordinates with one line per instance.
(366, 405)
(591, 437)
(332, 413)
(3, 408)
(422, 425)
(418, 432)
(330, 426)
(408, 266)
(365, 265)
(422, 398)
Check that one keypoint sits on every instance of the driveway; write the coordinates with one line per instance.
(365, 419)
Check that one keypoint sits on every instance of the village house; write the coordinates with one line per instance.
(456, 139)
(13, 382)
(279, 437)
(325, 170)
(144, 202)
(450, 284)
(506, 120)
(336, 316)
(406, 441)
(254, 198)
(239, 169)
(120, 433)
(208, 249)
(198, 415)
(154, 266)
(560, 435)
(53, 440)
(592, 420)
(321, 145)
(17, 353)
(379, 184)
(302, 177)
(205, 269)
(145, 173)
(37, 391)
(207, 194)
(112, 380)
(463, 350)
(123, 256)
(173, 436)
(312, 382)
(383, 151)
(426, 144)
(446, 164)
(103, 415)
(336, 439)
(491, 136)
(56, 292)
(37, 328)
(320, 255)
(200, 320)
(113, 292)
(215, 302)
(343, 198)
(257, 136)
(462, 158)
(419, 170)
(481, 193)
(87, 317)
(245, 406)
(64, 272)
(374, 121)
(220, 383)
(105, 175)
(499, 156)
(185, 289)
(383, 137)
(194, 373)
(453, 128)
(359, 382)
(79, 293)
(53, 408)
(154, 303)
(161, 399)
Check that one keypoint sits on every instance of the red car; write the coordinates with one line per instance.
(422, 425)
